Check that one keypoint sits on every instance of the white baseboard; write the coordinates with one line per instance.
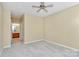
(74, 49)
(1, 50)
(33, 41)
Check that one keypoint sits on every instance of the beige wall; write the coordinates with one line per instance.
(33, 28)
(1, 28)
(6, 28)
(63, 27)
(22, 28)
(15, 19)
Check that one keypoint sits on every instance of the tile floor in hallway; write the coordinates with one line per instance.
(38, 49)
(15, 40)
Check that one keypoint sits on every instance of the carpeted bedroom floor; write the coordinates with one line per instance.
(38, 49)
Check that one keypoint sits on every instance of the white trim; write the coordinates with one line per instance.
(74, 49)
(6, 46)
(33, 41)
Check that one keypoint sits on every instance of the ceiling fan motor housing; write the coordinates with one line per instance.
(42, 6)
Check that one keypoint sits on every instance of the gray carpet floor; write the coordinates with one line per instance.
(38, 49)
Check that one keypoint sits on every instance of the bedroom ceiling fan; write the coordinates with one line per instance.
(42, 6)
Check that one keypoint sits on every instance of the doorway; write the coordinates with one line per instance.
(17, 29)
(15, 32)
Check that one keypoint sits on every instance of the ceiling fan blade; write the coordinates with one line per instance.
(45, 10)
(42, 3)
(49, 5)
(38, 10)
(36, 6)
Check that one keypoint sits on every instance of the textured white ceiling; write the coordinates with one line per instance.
(19, 8)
